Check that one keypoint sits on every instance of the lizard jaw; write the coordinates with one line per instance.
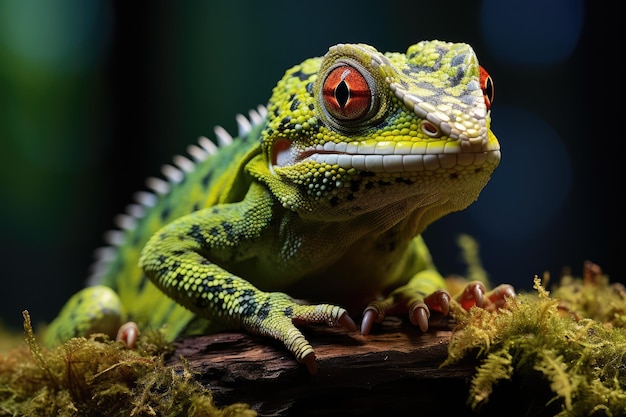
(387, 156)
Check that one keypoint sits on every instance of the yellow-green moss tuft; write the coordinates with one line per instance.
(576, 341)
(96, 377)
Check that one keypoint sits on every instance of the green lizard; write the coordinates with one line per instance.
(322, 197)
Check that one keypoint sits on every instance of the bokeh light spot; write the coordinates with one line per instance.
(65, 35)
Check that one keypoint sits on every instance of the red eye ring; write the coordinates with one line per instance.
(346, 93)
(486, 84)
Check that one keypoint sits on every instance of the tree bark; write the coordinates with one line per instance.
(395, 369)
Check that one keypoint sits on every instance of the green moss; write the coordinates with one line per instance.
(95, 376)
(575, 340)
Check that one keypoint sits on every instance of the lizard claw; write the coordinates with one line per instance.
(473, 294)
(127, 334)
(371, 315)
(419, 315)
(310, 363)
(439, 301)
(347, 323)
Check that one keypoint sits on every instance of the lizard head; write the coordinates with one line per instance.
(357, 130)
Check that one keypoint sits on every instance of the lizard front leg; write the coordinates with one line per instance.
(427, 291)
(185, 260)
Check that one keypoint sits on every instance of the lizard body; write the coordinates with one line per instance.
(321, 197)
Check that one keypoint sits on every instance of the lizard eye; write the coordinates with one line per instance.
(347, 93)
(486, 84)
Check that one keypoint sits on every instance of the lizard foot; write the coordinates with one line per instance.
(281, 321)
(418, 310)
(475, 294)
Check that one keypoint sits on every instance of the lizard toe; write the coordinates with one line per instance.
(472, 295)
(419, 315)
(369, 317)
(497, 297)
(128, 334)
(373, 313)
(439, 301)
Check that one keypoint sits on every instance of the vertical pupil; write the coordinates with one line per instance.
(342, 94)
(489, 89)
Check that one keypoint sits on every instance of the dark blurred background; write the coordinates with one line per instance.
(96, 95)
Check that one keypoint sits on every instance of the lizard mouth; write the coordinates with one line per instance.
(387, 156)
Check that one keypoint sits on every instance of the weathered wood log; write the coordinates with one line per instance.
(395, 369)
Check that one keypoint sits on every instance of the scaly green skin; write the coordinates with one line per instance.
(322, 204)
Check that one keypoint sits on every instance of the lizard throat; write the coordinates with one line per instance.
(384, 156)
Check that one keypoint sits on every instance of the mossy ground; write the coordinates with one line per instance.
(98, 377)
